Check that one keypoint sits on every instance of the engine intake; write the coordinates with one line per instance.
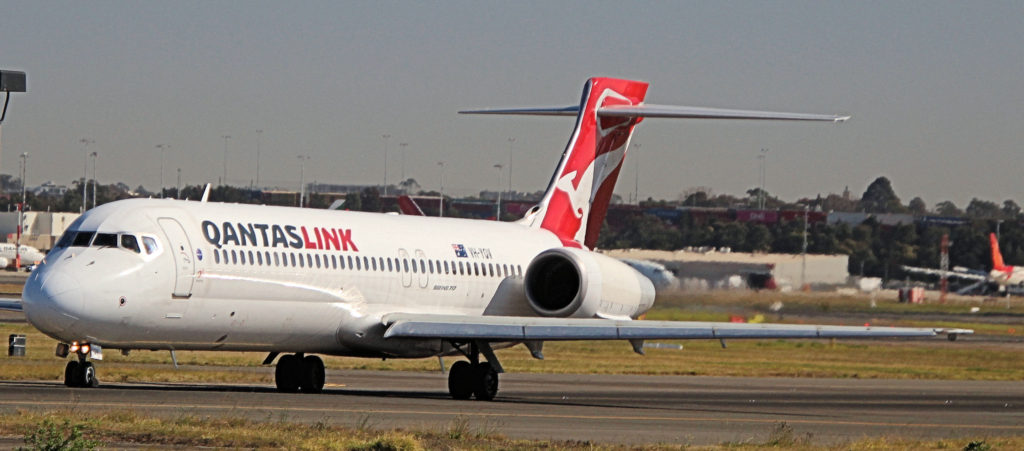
(568, 282)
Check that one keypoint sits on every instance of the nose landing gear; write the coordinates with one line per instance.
(81, 372)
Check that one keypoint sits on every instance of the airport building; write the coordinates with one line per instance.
(42, 229)
(728, 270)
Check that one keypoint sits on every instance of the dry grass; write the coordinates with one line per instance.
(126, 427)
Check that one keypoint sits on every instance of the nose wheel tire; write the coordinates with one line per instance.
(80, 374)
(466, 379)
(295, 373)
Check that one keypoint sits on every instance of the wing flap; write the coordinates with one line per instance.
(513, 328)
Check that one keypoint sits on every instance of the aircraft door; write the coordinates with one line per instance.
(403, 268)
(424, 278)
(181, 249)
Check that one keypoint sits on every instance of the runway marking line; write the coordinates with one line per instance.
(532, 415)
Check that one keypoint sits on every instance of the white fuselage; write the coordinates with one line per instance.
(10, 252)
(260, 278)
(1010, 275)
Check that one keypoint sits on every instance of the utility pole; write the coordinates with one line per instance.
(177, 189)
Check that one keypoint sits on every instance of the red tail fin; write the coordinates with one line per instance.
(577, 197)
(997, 257)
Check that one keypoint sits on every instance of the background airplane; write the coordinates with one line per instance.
(186, 275)
(1001, 273)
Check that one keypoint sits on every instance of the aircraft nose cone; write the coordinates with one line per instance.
(52, 301)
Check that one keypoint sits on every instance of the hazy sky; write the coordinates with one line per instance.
(936, 90)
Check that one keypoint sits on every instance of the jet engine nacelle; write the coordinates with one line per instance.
(568, 282)
(4, 262)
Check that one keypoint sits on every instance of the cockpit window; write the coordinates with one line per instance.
(66, 239)
(83, 238)
(130, 242)
(150, 244)
(105, 240)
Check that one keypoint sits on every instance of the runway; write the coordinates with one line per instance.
(614, 409)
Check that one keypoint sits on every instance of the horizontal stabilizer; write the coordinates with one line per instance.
(666, 111)
(13, 305)
(570, 110)
(691, 112)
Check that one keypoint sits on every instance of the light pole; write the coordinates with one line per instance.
(302, 179)
(386, 136)
(177, 188)
(94, 155)
(161, 147)
(85, 169)
(259, 135)
(21, 213)
(440, 208)
(497, 209)
(224, 181)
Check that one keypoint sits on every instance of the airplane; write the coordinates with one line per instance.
(164, 274)
(1001, 274)
(29, 255)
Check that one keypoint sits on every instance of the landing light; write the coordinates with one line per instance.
(74, 347)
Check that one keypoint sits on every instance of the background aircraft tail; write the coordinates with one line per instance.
(997, 256)
(577, 196)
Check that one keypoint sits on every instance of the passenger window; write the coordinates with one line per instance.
(405, 264)
(131, 243)
(391, 267)
(374, 262)
(241, 256)
(430, 266)
(216, 257)
(83, 239)
(234, 257)
(259, 258)
(224, 256)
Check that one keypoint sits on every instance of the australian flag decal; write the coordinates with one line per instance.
(460, 250)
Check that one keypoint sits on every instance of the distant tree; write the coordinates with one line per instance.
(948, 208)
(370, 198)
(835, 202)
(917, 206)
(354, 201)
(983, 209)
(879, 197)
(1011, 210)
(408, 185)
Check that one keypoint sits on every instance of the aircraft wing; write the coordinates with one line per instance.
(515, 328)
(956, 274)
(11, 304)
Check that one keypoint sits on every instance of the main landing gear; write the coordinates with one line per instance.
(81, 372)
(296, 372)
(474, 378)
